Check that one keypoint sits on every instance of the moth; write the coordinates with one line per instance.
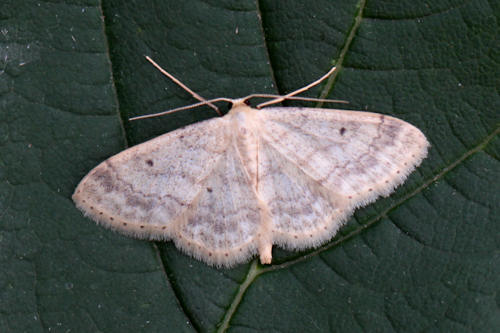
(229, 187)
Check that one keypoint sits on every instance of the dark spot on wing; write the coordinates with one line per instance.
(103, 176)
(209, 189)
(136, 201)
(218, 229)
(192, 221)
(342, 131)
(149, 162)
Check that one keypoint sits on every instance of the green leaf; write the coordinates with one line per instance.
(71, 74)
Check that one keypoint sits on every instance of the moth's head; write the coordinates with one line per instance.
(240, 105)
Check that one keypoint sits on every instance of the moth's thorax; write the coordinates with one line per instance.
(245, 127)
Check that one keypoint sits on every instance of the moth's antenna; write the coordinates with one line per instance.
(298, 91)
(274, 98)
(234, 101)
(192, 106)
(183, 86)
(293, 98)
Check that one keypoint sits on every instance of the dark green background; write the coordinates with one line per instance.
(71, 74)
